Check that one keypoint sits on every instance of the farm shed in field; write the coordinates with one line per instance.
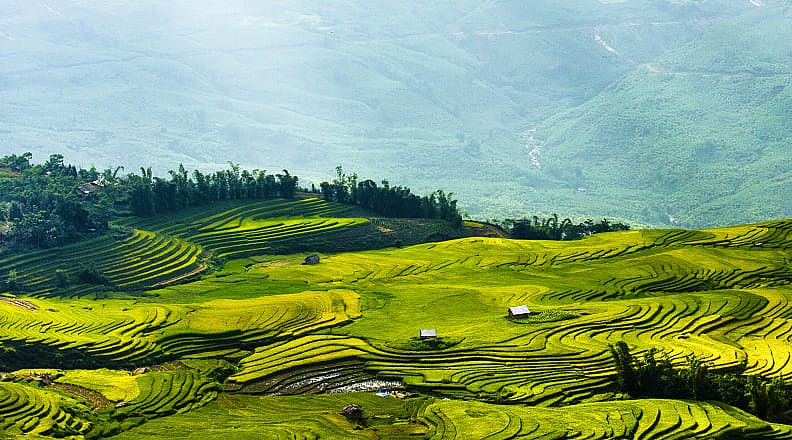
(353, 413)
(312, 259)
(519, 312)
(428, 333)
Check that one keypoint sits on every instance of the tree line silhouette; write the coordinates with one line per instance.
(389, 201)
(552, 229)
(150, 194)
(43, 205)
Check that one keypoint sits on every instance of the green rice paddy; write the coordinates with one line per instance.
(258, 345)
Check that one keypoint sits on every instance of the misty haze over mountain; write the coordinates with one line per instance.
(656, 111)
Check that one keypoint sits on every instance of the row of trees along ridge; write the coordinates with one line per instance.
(390, 201)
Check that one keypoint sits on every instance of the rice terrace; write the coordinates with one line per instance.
(391, 220)
(240, 305)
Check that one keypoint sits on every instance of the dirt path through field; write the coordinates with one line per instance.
(195, 271)
(23, 303)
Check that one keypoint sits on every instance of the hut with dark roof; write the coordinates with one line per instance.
(312, 259)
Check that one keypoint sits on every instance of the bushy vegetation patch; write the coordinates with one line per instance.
(546, 316)
(432, 344)
(768, 398)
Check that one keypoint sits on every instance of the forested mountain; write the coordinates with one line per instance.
(657, 111)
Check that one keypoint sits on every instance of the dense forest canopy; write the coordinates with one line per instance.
(41, 205)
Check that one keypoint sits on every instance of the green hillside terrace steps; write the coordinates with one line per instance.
(140, 260)
(65, 406)
(175, 247)
(236, 230)
(638, 419)
(227, 216)
(28, 411)
(620, 315)
(241, 416)
(349, 321)
(111, 332)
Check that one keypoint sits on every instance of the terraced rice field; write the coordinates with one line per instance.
(255, 228)
(297, 340)
(244, 417)
(28, 411)
(708, 293)
(140, 259)
(162, 250)
(640, 419)
(116, 332)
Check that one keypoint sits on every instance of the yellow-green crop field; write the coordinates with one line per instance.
(257, 345)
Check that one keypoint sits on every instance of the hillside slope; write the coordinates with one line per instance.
(513, 106)
(700, 133)
(267, 345)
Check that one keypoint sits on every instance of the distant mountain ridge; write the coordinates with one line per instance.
(659, 112)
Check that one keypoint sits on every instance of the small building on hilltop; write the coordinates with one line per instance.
(519, 312)
(312, 259)
(428, 333)
(91, 187)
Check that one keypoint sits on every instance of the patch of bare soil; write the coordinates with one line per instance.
(23, 303)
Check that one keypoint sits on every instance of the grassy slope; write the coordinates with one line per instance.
(721, 294)
(243, 417)
(167, 249)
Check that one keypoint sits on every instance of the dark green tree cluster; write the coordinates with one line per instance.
(149, 194)
(41, 206)
(16, 163)
(553, 229)
(44, 205)
(648, 376)
(390, 201)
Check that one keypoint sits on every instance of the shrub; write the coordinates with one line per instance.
(12, 280)
(91, 275)
(769, 399)
(62, 278)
